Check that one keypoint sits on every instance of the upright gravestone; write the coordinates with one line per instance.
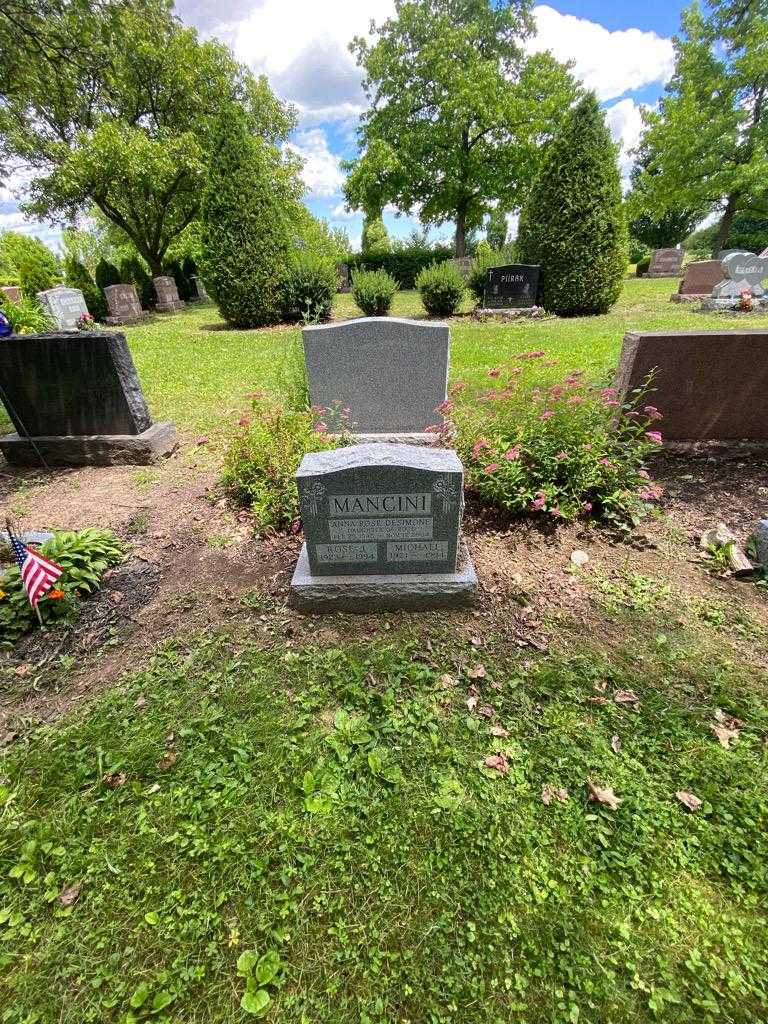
(742, 284)
(700, 278)
(665, 263)
(12, 292)
(513, 287)
(342, 269)
(75, 399)
(200, 288)
(391, 374)
(64, 306)
(168, 300)
(464, 265)
(382, 525)
(123, 303)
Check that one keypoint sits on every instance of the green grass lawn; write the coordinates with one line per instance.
(323, 804)
(198, 374)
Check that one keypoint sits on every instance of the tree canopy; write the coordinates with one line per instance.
(458, 111)
(123, 118)
(706, 147)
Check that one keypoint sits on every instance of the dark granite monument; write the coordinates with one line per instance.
(123, 303)
(342, 269)
(382, 525)
(64, 306)
(168, 300)
(512, 287)
(75, 399)
(665, 263)
(700, 278)
(391, 374)
(708, 385)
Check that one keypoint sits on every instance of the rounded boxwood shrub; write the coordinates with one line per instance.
(36, 276)
(643, 266)
(132, 271)
(573, 223)
(478, 275)
(77, 276)
(373, 291)
(245, 226)
(441, 288)
(312, 284)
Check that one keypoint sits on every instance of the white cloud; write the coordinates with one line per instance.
(611, 63)
(322, 171)
(341, 212)
(302, 47)
(626, 126)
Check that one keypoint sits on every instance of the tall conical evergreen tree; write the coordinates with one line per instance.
(245, 225)
(573, 223)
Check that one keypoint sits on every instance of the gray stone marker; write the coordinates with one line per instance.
(168, 300)
(123, 303)
(464, 265)
(382, 525)
(665, 263)
(743, 272)
(200, 288)
(342, 270)
(64, 306)
(391, 374)
(75, 399)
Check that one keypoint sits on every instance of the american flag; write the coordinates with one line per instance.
(38, 574)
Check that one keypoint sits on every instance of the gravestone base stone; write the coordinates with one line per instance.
(151, 445)
(410, 591)
(382, 525)
(732, 304)
(524, 313)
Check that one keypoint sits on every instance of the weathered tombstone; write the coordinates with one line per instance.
(708, 385)
(64, 306)
(744, 273)
(700, 278)
(382, 525)
(75, 399)
(342, 269)
(168, 300)
(200, 288)
(11, 291)
(123, 303)
(513, 287)
(391, 374)
(665, 263)
(464, 265)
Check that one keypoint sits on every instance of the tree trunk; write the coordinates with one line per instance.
(461, 233)
(725, 224)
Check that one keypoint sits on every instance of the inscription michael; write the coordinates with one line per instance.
(379, 504)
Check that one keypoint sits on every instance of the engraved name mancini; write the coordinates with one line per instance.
(379, 504)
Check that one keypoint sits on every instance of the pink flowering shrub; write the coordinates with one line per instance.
(563, 450)
(265, 452)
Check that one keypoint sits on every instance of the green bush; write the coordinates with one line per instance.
(573, 223)
(245, 225)
(311, 288)
(76, 276)
(184, 287)
(375, 239)
(637, 251)
(261, 463)
(404, 264)
(106, 274)
(373, 291)
(84, 556)
(564, 450)
(643, 265)
(441, 288)
(133, 271)
(25, 316)
(36, 276)
(17, 251)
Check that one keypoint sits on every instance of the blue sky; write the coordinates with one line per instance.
(622, 50)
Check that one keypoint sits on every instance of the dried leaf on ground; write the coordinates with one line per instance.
(476, 641)
(500, 732)
(497, 761)
(626, 697)
(69, 894)
(726, 728)
(472, 702)
(113, 779)
(446, 681)
(615, 744)
(579, 557)
(689, 800)
(140, 702)
(597, 700)
(169, 758)
(478, 672)
(22, 670)
(603, 796)
(116, 596)
(550, 792)
(487, 711)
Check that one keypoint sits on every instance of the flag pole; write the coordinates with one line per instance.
(39, 616)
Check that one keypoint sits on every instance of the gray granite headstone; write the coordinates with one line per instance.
(64, 306)
(76, 398)
(391, 374)
(123, 303)
(168, 300)
(382, 524)
(199, 287)
(665, 263)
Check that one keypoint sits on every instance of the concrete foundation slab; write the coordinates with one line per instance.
(152, 444)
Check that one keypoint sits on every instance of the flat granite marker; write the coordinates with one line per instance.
(64, 306)
(665, 263)
(391, 374)
(708, 385)
(382, 525)
(75, 399)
